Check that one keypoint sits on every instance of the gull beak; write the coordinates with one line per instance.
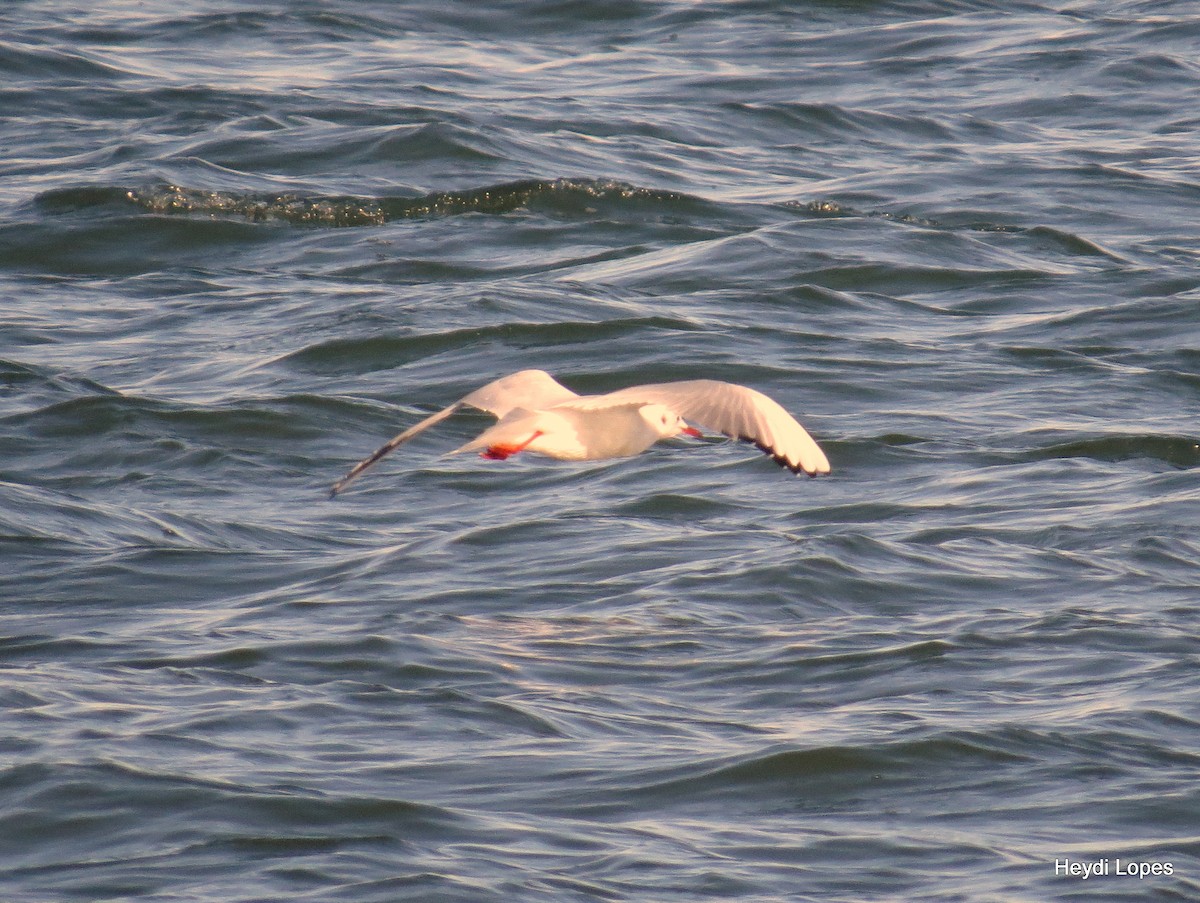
(691, 431)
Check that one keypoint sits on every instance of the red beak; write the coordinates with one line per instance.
(692, 431)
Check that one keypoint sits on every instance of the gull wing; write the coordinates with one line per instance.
(533, 389)
(737, 411)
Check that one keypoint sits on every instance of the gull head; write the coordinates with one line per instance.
(665, 422)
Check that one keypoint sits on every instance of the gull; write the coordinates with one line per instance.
(538, 414)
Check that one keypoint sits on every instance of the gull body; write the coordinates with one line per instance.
(540, 415)
(569, 433)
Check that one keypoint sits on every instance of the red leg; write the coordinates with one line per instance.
(500, 452)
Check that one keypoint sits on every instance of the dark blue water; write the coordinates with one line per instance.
(242, 244)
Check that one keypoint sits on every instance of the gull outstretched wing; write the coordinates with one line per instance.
(737, 411)
(533, 389)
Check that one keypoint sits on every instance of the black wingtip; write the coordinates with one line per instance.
(779, 459)
(772, 454)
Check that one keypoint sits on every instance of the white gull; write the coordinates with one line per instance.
(538, 414)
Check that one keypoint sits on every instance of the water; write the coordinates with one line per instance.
(243, 244)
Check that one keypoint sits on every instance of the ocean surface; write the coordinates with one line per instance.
(242, 244)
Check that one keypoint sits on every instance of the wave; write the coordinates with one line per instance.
(823, 770)
(24, 61)
(379, 352)
(562, 195)
(1178, 451)
(1053, 239)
